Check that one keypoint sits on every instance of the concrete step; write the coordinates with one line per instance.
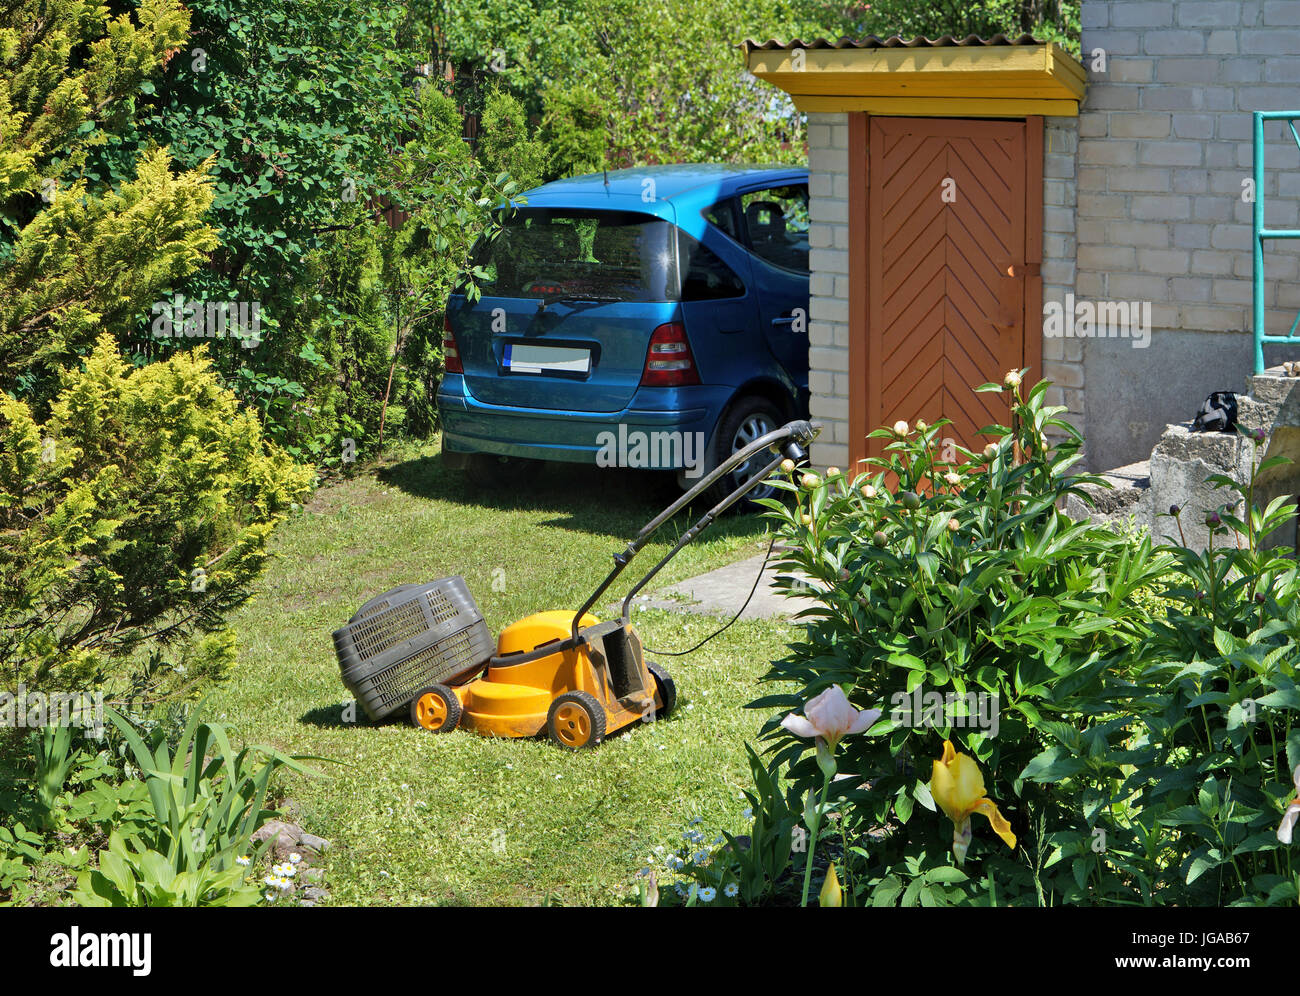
(1182, 460)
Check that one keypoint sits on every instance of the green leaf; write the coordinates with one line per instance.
(1052, 765)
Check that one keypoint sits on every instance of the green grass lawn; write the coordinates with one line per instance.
(421, 818)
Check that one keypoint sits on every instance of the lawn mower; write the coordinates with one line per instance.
(426, 648)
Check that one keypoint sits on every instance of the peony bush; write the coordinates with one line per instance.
(993, 704)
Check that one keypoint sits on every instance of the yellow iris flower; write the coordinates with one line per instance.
(831, 894)
(958, 788)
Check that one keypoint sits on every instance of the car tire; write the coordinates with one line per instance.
(746, 420)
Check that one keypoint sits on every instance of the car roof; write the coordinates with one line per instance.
(687, 187)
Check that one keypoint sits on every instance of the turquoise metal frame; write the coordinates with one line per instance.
(1261, 233)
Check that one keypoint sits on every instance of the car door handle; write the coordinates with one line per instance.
(730, 331)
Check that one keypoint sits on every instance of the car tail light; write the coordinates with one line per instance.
(450, 353)
(668, 361)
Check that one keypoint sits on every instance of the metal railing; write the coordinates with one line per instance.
(1261, 233)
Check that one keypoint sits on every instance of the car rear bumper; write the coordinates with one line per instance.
(650, 434)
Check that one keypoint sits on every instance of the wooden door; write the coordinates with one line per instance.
(950, 237)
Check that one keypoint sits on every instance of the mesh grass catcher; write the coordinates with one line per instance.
(409, 638)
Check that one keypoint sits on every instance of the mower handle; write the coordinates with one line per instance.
(794, 435)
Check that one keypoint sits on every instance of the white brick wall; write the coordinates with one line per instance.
(1171, 187)
(1062, 358)
(1165, 143)
(828, 330)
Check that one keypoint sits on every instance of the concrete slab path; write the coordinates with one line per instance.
(721, 592)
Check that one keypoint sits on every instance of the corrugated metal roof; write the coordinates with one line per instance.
(893, 41)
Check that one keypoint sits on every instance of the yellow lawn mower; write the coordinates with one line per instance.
(426, 648)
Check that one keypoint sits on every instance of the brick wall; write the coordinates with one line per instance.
(828, 318)
(1062, 358)
(1164, 145)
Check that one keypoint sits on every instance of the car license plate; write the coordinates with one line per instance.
(521, 358)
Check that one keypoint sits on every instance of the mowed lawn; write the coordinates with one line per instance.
(416, 817)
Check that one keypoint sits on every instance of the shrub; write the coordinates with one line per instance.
(135, 518)
(1132, 734)
(1048, 20)
(955, 586)
(573, 130)
(78, 256)
(1190, 788)
(504, 145)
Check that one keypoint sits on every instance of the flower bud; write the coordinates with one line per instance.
(787, 466)
(900, 428)
(910, 500)
(1012, 379)
(810, 481)
(953, 525)
(879, 538)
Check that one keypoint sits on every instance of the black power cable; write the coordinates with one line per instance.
(739, 612)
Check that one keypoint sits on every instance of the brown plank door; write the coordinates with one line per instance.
(954, 213)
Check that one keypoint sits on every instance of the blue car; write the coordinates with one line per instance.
(652, 317)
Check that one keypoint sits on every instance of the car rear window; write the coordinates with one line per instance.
(550, 253)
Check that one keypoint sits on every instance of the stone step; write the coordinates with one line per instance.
(1182, 460)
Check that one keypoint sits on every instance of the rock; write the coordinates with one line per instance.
(285, 836)
(288, 831)
(310, 840)
(314, 894)
(1180, 462)
(312, 875)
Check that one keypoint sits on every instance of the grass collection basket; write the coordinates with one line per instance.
(409, 638)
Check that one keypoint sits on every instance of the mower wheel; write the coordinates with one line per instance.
(666, 686)
(576, 720)
(435, 709)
